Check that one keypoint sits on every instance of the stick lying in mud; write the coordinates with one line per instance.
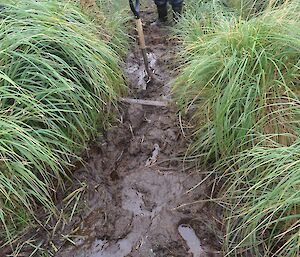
(144, 102)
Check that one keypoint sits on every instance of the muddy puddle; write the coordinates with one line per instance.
(138, 201)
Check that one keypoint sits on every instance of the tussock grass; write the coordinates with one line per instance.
(240, 85)
(110, 19)
(240, 81)
(198, 20)
(58, 82)
(250, 8)
(264, 197)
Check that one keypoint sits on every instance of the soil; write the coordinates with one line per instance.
(136, 182)
(138, 200)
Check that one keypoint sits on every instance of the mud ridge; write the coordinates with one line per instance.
(137, 200)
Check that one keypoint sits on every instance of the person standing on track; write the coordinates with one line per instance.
(162, 10)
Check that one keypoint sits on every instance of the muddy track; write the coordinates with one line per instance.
(137, 200)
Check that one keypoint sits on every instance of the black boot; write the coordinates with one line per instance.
(162, 11)
(177, 10)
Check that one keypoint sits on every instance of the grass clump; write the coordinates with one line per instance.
(240, 85)
(264, 199)
(250, 8)
(240, 81)
(58, 82)
(199, 19)
(110, 18)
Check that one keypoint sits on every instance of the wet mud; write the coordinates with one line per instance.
(138, 200)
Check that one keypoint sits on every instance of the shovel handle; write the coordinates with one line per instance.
(135, 8)
(139, 27)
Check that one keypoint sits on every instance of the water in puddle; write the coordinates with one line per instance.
(138, 69)
(192, 241)
(152, 60)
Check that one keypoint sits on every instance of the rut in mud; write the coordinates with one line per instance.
(138, 195)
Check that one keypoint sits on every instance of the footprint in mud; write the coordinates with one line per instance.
(192, 241)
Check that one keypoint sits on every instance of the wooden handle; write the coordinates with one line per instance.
(139, 27)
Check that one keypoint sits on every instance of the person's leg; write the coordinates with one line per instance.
(162, 10)
(177, 8)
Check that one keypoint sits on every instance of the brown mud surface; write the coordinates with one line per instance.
(141, 200)
(138, 200)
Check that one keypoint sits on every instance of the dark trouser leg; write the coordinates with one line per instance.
(162, 10)
(177, 8)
